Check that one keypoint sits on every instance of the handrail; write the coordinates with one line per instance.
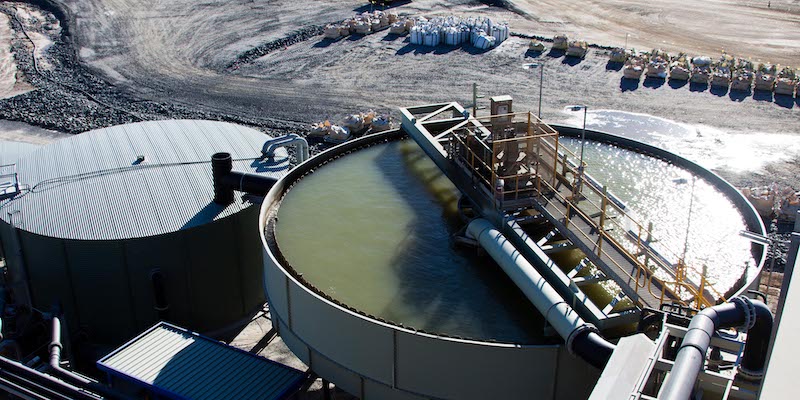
(561, 162)
(657, 260)
(641, 268)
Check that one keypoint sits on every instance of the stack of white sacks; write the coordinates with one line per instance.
(453, 31)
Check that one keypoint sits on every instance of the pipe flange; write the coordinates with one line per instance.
(578, 331)
(749, 312)
(750, 375)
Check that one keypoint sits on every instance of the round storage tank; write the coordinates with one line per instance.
(366, 286)
(118, 226)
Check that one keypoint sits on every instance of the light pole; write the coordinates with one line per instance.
(583, 142)
(682, 261)
(681, 181)
(541, 82)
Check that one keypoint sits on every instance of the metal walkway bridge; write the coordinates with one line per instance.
(510, 164)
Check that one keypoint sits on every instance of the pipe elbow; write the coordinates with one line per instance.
(757, 346)
(592, 348)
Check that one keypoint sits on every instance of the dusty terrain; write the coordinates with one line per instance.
(743, 28)
(180, 51)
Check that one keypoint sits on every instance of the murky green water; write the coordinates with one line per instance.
(373, 230)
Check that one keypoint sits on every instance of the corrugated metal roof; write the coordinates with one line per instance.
(10, 151)
(180, 364)
(88, 187)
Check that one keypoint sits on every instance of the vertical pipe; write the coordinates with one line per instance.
(475, 100)
(160, 294)
(541, 85)
(583, 144)
(221, 166)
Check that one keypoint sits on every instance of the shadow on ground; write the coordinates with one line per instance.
(326, 42)
(555, 53)
(738, 95)
(784, 101)
(391, 37)
(762, 95)
(719, 91)
(697, 87)
(614, 66)
(626, 84)
(533, 53)
(572, 61)
(677, 84)
(387, 6)
(653, 83)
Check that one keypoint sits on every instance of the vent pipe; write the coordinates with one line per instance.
(160, 294)
(226, 180)
(301, 145)
(72, 378)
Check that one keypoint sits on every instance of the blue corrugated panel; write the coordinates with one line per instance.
(179, 364)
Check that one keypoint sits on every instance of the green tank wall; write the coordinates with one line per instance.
(213, 277)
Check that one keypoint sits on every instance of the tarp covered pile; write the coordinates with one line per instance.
(765, 76)
(679, 68)
(351, 125)
(786, 81)
(721, 71)
(742, 75)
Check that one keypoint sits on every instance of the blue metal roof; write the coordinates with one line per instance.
(179, 364)
(91, 187)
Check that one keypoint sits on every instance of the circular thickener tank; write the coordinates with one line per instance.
(118, 226)
(367, 287)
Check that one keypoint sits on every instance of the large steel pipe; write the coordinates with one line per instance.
(581, 337)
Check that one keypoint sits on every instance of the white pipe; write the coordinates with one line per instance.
(300, 144)
(557, 312)
(582, 338)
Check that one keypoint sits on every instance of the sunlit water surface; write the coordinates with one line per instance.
(706, 145)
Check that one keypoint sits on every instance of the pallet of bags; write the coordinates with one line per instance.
(560, 42)
(381, 123)
(331, 31)
(398, 28)
(329, 132)
(483, 41)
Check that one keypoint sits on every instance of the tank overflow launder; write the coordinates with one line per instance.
(226, 180)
